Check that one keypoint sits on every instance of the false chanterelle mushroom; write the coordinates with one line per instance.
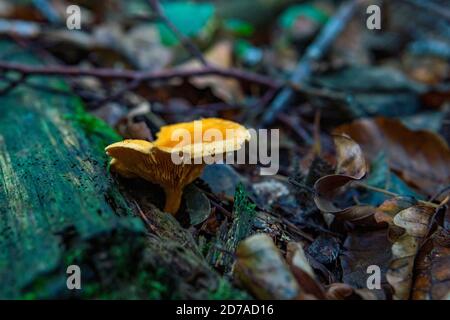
(178, 156)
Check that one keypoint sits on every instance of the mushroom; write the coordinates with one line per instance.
(172, 162)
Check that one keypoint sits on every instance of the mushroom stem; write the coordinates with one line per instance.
(173, 200)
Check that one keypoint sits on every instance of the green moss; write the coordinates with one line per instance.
(243, 212)
(225, 291)
(97, 130)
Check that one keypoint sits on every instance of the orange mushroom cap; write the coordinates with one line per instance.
(153, 161)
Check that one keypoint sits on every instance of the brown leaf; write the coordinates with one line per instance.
(415, 221)
(339, 291)
(303, 271)
(432, 280)
(350, 166)
(421, 158)
(219, 55)
(361, 250)
(387, 211)
(262, 270)
(343, 291)
(389, 208)
(129, 128)
(350, 159)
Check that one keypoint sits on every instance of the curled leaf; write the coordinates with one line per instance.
(351, 166)
(350, 159)
(421, 158)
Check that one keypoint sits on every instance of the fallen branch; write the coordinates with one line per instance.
(314, 53)
(116, 74)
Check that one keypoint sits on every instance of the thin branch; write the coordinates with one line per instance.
(266, 98)
(393, 194)
(314, 53)
(46, 88)
(297, 129)
(116, 74)
(185, 41)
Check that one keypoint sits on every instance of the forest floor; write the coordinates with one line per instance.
(356, 98)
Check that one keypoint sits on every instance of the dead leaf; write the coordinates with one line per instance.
(351, 166)
(421, 158)
(143, 46)
(389, 208)
(220, 55)
(361, 250)
(339, 291)
(303, 271)
(432, 274)
(343, 291)
(130, 128)
(197, 204)
(262, 270)
(415, 221)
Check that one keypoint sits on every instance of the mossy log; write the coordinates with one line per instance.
(59, 206)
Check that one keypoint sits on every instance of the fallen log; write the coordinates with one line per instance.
(59, 206)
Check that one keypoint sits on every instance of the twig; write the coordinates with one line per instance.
(314, 53)
(45, 88)
(220, 208)
(266, 98)
(136, 77)
(148, 76)
(189, 45)
(297, 129)
(301, 185)
(392, 194)
(322, 92)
